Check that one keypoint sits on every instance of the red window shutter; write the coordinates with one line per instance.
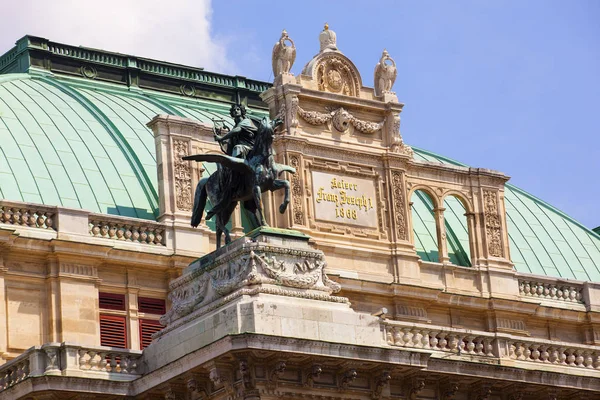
(147, 328)
(112, 301)
(113, 331)
(151, 306)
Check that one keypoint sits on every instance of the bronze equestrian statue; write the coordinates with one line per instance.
(245, 171)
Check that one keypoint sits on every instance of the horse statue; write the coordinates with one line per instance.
(239, 179)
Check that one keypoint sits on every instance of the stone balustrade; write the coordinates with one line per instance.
(124, 229)
(463, 342)
(563, 354)
(108, 361)
(14, 372)
(29, 215)
(551, 290)
(437, 338)
(67, 359)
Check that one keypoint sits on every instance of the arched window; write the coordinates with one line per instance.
(457, 232)
(423, 222)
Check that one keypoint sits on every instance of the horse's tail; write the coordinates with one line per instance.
(199, 202)
(281, 168)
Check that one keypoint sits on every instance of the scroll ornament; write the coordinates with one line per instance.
(341, 119)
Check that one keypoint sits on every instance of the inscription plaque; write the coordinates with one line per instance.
(344, 199)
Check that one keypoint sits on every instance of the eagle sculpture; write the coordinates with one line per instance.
(385, 74)
(284, 55)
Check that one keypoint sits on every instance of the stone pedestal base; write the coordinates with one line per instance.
(269, 282)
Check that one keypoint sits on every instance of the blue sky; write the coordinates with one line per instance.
(507, 85)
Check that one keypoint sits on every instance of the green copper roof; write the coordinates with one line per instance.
(77, 142)
(73, 144)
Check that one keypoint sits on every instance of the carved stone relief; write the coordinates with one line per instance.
(183, 176)
(399, 209)
(341, 120)
(492, 223)
(335, 74)
(252, 264)
(297, 197)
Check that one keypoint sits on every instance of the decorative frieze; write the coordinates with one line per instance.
(34, 217)
(143, 232)
(551, 291)
(183, 175)
(492, 223)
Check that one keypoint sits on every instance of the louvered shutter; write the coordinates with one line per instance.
(151, 306)
(112, 301)
(147, 328)
(113, 331)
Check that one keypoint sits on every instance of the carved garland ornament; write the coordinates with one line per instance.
(399, 209)
(183, 176)
(297, 210)
(492, 223)
(341, 120)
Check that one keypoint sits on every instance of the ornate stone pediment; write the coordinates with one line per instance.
(331, 70)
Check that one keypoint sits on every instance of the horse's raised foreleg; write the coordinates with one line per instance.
(256, 194)
(283, 183)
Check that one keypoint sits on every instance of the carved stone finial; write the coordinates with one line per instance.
(385, 74)
(327, 39)
(284, 55)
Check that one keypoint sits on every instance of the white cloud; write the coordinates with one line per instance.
(177, 31)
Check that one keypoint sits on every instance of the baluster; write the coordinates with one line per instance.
(571, 357)
(433, 341)
(443, 342)
(596, 358)
(82, 361)
(93, 361)
(416, 338)
(479, 346)
(136, 234)
(579, 358)
(535, 353)
(453, 343)
(151, 236)
(588, 360)
(398, 337)
(469, 344)
(562, 355)
(425, 339)
(544, 355)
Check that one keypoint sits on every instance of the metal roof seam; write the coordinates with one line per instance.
(136, 166)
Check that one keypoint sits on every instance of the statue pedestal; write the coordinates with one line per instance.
(270, 282)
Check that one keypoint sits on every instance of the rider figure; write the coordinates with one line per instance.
(239, 141)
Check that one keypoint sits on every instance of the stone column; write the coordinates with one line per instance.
(440, 229)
